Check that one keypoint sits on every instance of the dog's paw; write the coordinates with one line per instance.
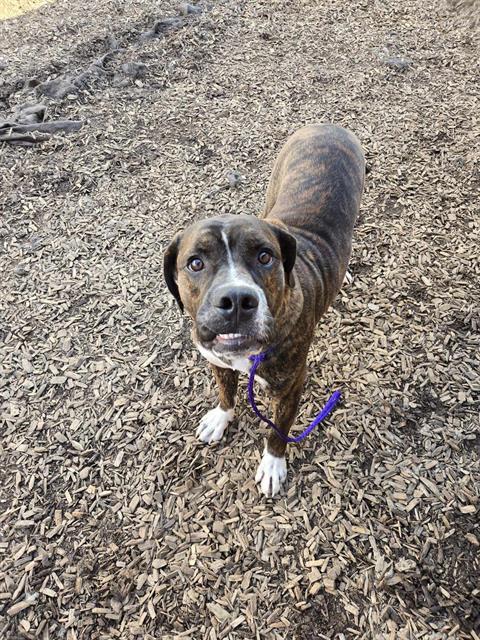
(213, 425)
(271, 473)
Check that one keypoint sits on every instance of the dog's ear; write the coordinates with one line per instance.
(170, 268)
(288, 247)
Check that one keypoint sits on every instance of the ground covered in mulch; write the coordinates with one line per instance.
(114, 521)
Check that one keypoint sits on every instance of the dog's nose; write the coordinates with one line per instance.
(240, 302)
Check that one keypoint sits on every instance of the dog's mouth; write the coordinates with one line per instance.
(235, 343)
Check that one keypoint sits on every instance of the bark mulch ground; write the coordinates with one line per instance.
(114, 521)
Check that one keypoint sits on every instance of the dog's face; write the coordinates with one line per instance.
(231, 273)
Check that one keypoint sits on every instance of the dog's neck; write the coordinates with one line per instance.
(229, 361)
(291, 307)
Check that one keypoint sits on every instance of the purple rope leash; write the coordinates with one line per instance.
(327, 409)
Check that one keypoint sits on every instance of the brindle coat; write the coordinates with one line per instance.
(312, 203)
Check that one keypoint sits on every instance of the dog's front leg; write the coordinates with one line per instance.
(272, 471)
(214, 423)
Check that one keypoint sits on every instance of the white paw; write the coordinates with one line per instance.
(213, 424)
(271, 473)
(348, 278)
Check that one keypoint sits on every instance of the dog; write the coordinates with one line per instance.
(252, 284)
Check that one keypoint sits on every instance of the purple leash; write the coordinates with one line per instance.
(327, 409)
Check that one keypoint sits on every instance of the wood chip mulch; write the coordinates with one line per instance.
(114, 521)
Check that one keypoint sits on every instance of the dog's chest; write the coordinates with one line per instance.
(241, 364)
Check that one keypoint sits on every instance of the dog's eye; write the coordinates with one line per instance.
(265, 257)
(195, 264)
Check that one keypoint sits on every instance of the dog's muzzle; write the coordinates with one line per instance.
(230, 320)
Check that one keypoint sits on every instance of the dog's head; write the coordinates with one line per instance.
(231, 274)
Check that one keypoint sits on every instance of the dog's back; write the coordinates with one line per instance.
(315, 191)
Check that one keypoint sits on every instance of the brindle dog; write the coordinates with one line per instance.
(256, 283)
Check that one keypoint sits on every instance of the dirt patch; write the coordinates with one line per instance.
(14, 8)
(326, 618)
